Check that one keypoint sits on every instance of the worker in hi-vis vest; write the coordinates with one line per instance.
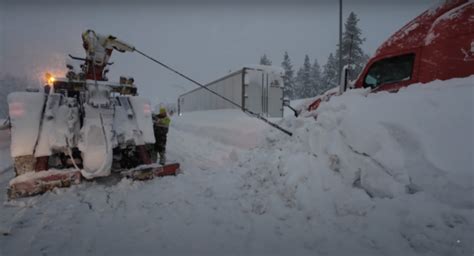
(161, 123)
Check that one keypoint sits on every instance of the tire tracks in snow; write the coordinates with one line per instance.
(16, 217)
(82, 200)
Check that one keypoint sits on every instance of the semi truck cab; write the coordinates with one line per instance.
(438, 44)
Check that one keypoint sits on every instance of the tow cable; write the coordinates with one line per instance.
(245, 110)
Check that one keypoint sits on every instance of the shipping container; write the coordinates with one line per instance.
(258, 89)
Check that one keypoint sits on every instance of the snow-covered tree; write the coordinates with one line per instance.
(298, 84)
(264, 60)
(303, 80)
(352, 52)
(315, 79)
(288, 78)
(330, 73)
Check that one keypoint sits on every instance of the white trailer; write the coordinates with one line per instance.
(257, 88)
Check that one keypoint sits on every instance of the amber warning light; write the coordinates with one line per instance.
(49, 79)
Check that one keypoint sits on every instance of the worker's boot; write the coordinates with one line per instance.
(162, 157)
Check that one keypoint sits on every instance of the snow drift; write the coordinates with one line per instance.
(375, 174)
(386, 173)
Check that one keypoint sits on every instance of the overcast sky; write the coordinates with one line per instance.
(202, 39)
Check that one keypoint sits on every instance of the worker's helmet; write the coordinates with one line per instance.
(162, 110)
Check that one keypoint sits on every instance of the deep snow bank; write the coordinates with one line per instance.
(377, 174)
(421, 137)
(385, 173)
(388, 174)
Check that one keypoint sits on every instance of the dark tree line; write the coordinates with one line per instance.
(310, 79)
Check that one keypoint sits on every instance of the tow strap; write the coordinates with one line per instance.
(251, 113)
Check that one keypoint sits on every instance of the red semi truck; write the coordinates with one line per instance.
(438, 44)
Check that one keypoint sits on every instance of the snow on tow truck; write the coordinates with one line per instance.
(82, 126)
(438, 44)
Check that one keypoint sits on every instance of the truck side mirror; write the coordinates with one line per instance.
(345, 77)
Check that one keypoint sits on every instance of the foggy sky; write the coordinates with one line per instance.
(204, 40)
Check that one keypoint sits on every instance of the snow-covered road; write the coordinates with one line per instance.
(383, 174)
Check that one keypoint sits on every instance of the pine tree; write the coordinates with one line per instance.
(288, 78)
(304, 84)
(352, 52)
(264, 60)
(330, 73)
(315, 79)
(298, 89)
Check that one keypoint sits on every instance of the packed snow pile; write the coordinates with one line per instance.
(375, 174)
(394, 171)
(302, 105)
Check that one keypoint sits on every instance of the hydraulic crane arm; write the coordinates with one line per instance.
(98, 50)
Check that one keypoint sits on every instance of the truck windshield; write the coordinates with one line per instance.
(390, 70)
